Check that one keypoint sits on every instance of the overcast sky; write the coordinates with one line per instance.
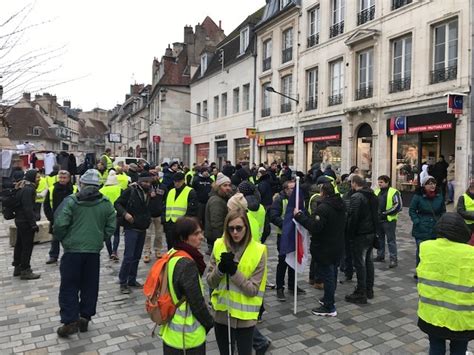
(111, 43)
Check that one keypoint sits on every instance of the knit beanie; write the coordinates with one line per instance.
(452, 226)
(18, 175)
(133, 167)
(90, 177)
(30, 175)
(426, 178)
(237, 201)
(222, 179)
(246, 188)
(111, 179)
(145, 176)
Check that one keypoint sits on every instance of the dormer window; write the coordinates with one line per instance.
(244, 40)
(203, 63)
(36, 131)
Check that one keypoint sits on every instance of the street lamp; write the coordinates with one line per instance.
(196, 114)
(271, 89)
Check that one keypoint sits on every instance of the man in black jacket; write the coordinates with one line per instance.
(265, 188)
(202, 185)
(26, 226)
(132, 207)
(362, 228)
(56, 194)
(326, 226)
(228, 169)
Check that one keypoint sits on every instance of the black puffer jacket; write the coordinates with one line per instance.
(24, 214)
(363, 213)
(134, 201)
(202, 186)
(326, 226)
(265, 189)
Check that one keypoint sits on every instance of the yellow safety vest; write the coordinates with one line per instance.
(213, 178)
(183, 331)
(240, 306)
(42, 185)
(74, 190)
(176, 207)
(284, 204)
(259, 217)
(252, 179)
(51, 180)
(333, 183)
(189, 174)
(123, 181)
(390, 194)
(316, 195)
(112, 192)
(446, 284)
(110, 164)
(103, 177)
(469, 204)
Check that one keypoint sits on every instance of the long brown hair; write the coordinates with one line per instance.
(232, 215)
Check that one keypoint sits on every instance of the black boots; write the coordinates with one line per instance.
(29, 275)
(357, 297)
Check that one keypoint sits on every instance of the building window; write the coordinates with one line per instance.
(445, 52)
(337, 26)
(286, 88)
(312, 89)
(203, 63)
(265, 100)
(198, 112)
(204, 109)
(246, 97)
(287, 45)
(224, 104)
(401, 64)
(337, 83)
(399, 3)
(367, 11)
(36, 131)
(244, 40)
(216, 106)
(236, 100)
(284, 3)
(267, 55)
(314, 26)
(365, 87)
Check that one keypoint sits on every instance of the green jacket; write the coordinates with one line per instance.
(424, 214)
(83, 221)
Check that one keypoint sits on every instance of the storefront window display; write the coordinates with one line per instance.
(364, 151)
(323, 146)
(221, 153)
(280, 150)
(202, 152)
(242, 150)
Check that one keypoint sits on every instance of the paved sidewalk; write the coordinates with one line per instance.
(29, 313)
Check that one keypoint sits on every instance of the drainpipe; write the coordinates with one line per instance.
(471, 98)
(254, 116)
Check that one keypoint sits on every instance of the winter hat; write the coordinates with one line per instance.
(145, 176)
(111, 179)
(222, 179)
(30, 175)
(452, 226)
(133, 167)
(237, 201)
(178, 176)
(18, 175)
(246, 188)
(262, 170)
(323, 179)
(426, 179)
(90, 177)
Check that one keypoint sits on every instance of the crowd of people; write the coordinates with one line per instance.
(233, 209)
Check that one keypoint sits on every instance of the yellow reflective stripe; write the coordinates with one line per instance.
(184, 328)
(447, 285)
(448, 305)
(222, 301)
(234, 288)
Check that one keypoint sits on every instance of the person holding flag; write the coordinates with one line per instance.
(326, 225)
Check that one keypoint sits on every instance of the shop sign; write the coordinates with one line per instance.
(187, 140)
(455, 104)
(156, 139)
(115, 138)
(332, 137)
(219, 137)
(261, 140)
(251, 133)
(398, 125)
(279, 141)
(431, 128)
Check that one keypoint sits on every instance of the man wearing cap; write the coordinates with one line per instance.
(202, 185)
(133, 172)
(181, 201)
(82, 222)
(133, 208)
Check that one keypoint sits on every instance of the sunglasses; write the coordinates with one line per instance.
(237, 229)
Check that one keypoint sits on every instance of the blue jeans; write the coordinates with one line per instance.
(134, 241)
(112, 248)
(418, 242)
(451, 190)
(79, 287)
(387, 229)
(438, 346)
(259, 340)
(54, 250)
(362, 258)
(328, 274)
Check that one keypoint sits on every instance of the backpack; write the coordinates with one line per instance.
(159, 304)
(10, 203)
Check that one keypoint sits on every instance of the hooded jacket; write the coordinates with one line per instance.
(253, 205)
(216, 211)
(424, 214)
(60, 192)
(363, 213)
(83, 221)
(26, 196)
(134, 201)
(202, 186)
(265, 189)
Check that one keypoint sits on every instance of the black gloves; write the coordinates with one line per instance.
(227, 264)
(35, 228)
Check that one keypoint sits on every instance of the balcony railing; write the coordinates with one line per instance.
(313, 40)
(285, 107)
(400, 85)
(312, 104)
(364, 92)
(266, 112)
(446, 74)
(336, 29)
(366, 15)
(399, 3)
(267, 63)
(335, 100)
(286, 54)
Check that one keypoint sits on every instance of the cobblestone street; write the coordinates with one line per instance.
(29, 313)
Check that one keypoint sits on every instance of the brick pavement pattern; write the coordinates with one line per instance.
(29, 312)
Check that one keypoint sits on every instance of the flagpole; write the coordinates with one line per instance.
(295, 310)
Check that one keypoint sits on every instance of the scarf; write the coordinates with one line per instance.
(430, 194)
(194, 253)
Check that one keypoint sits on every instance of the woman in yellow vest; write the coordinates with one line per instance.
(238, 275)
(465, 206)
(446, 286)
(186, 332)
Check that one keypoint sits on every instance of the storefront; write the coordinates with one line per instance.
(279, 150)
(242, 150)
(364, 151)
(416, 140)
(202, 152)
(221, 152)
(323, 146)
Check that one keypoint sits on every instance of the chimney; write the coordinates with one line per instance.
(168, 52)
(188, 34)
(220, 24)
(37, 97)
(27, 96)
(67, 103)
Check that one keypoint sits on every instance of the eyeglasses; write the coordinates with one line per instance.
(237, 229)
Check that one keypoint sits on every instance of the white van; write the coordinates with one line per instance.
(128, 160)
